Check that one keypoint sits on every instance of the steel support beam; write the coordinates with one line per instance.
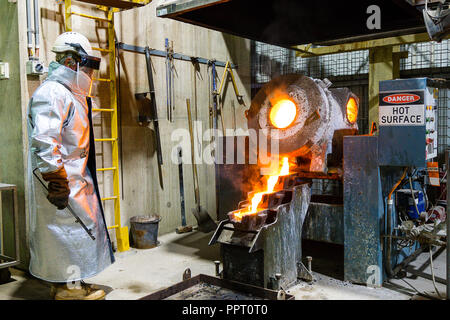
(121, 4)
(176, 8)
(384, 64)
(381, 67)
(384, 60)
(306, 51)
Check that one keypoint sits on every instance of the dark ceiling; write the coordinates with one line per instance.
(292, 22)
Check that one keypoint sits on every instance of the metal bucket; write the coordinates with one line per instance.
(144, 231)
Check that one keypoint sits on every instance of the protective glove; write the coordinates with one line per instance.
(58, 188)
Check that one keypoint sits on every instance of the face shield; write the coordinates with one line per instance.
(88, 64)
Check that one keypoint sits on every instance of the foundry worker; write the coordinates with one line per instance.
(62, 176)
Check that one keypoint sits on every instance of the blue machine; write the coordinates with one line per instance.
(404, 202)
(374, 204)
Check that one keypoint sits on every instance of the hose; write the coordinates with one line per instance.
(397, 184)
(412, 195)
(432, 274)
(389, 270)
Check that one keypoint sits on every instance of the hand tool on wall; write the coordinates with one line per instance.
(204, 221)
(120, 116)
(77, 218)
(221, 115)
(169, 80)
(196, 70)
(184, 227)
(214, 136)
(154, 112)
(234, 115)
(226, 72)
(214, 100)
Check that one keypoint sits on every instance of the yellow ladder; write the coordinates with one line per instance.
(121, 232)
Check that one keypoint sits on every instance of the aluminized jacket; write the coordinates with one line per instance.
(60, 134)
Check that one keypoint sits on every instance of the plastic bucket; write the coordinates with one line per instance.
(144, 231)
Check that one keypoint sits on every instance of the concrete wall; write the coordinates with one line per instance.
(141, 191)
(12, 123)
(142, 194)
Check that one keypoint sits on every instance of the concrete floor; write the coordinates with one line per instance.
(137, 273)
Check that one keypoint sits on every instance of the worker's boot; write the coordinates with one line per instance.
(93, 292)
(81, 292)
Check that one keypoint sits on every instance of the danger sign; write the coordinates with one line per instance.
(400, 98)
(412, 115)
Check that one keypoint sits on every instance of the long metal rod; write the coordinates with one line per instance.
(178, 56)
(217, 154)
(180, 175)
(154, 111)
(119, 118)
(16, 224)
(410, 269)
(194, 165)
(168, 96)
(77, 218)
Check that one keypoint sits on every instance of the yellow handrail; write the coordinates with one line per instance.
(89, 16)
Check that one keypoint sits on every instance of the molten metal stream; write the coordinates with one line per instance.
(271, 182)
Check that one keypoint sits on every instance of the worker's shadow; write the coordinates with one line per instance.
(35, 289)
(196, 240)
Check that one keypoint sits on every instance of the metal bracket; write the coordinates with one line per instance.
(303, 273)
(281, 295)
(187, 274)
(217, 265)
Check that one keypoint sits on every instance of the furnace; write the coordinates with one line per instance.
(377, 211)
(307, 120)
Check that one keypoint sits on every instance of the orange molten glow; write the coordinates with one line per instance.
(283, 113)
(352, 110)
(271, 182)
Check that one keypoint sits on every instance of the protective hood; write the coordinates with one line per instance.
(60, 134)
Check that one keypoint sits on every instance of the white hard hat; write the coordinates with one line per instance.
(63, 41)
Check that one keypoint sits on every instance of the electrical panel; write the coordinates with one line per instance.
(35, 68)
(407, 122)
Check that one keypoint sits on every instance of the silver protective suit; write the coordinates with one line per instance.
(60, 134)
